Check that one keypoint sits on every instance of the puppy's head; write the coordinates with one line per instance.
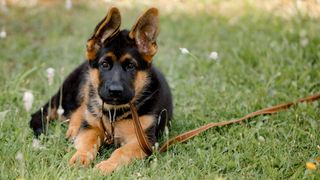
(120, 59)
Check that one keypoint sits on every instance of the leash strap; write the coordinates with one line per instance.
(141, 136)
(109, 138)
(145, 146)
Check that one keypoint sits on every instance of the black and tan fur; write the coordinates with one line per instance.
(119, 70)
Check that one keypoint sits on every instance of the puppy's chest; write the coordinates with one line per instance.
(116, 124)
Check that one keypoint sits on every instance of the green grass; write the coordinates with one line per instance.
(261, 63)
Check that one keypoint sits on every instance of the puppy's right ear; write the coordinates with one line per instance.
(145, 33)
(104, 31)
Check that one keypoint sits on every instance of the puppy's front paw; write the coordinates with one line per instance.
(72, 132)
(106, 167)
(83, 158)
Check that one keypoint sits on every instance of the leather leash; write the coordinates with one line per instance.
(141, 136)
(147, 148)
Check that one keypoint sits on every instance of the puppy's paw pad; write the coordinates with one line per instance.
(83, 158)
(72, 132)
(106, 167)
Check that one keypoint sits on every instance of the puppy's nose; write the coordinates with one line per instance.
(115, 90)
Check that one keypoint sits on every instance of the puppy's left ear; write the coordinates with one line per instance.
(145, 33)
(107, 28)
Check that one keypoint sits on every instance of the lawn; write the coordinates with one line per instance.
(263, 60)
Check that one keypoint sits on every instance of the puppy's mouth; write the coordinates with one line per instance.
(115, 105)
(116, 101)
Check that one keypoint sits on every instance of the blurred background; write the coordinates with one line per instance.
(280, 7)
(222, 58)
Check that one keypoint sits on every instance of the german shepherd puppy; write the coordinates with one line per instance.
(95, 96)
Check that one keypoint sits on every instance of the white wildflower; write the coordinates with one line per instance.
(50, 75)
(214, 55)
(36, 144)
(156, 146)
(28, 100)
(166, 131)
(60, 111)
(19, 156)
(304, 42)
(139, 174)
(3, 34)
(261, 139)
(184, 51)
(68, 4)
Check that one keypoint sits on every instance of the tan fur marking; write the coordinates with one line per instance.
(87, 143)
(148, 58)
(140, 82)
(91, 50)
(128, 56)
(124, 129)
(110, 55)
(94, 77)
(84, 92)
(120, 157)
(75, 121)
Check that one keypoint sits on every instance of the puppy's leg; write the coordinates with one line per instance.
(130, 150)
(75, 122)
(121, 156)
(87, 144)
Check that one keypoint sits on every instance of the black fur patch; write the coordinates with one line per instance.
(85, 125)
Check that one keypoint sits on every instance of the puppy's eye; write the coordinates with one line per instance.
(130, 66)
(105, 65)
